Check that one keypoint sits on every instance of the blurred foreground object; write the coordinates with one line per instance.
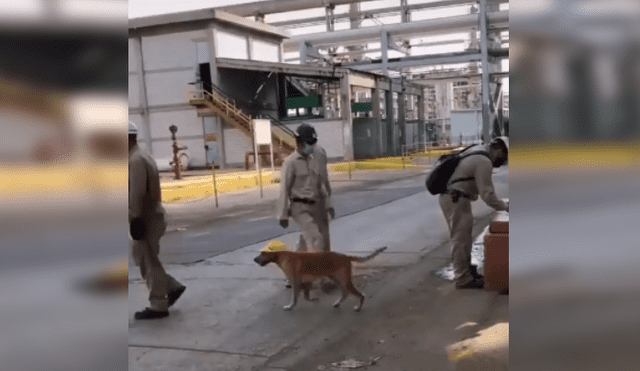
(114, 277)
(574, 175)
(488, 351)
(63, 108)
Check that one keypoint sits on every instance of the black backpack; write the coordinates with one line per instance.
(442, 171)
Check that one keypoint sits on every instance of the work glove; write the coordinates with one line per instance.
(137, 229)
(284, 223)
(332, 213)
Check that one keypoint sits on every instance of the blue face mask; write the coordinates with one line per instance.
(308, 149)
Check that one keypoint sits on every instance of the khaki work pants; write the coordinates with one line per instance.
(460, 221)
(310, 219)
(324, 231)
(145, 254)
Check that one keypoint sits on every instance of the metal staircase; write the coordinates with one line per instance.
(218, 103)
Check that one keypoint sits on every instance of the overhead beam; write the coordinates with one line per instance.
(426, 79)
(430, 26)
(396, 9)
(426, 60)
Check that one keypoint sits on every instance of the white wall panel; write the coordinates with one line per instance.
(229, 45)
(169, 87)
(329, 136)
(170, 51)
(134, 92)
(236, 145)
(133, 57)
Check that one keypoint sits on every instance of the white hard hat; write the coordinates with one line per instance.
(133, 129)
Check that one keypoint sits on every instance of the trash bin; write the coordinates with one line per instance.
(496, 245)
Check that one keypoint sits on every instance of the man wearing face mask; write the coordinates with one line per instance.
(320, 155)
(302, 190)
(471, 178)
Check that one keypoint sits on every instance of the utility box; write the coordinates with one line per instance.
(496, 245)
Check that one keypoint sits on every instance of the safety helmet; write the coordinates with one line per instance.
(306, 133)
(503, 140)
(275, 246)
(133, 129)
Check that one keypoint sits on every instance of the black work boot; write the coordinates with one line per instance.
(149, 313)
(474, 272)
(476, 283)
(175, 295)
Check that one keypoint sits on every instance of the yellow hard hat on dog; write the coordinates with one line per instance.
(275, 246)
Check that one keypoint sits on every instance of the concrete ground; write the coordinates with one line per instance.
(231, 316)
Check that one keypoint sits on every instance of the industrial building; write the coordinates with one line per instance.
(369, 82)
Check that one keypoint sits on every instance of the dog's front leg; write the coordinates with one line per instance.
(294, 293)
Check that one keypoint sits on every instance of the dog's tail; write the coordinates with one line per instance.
(370, 256)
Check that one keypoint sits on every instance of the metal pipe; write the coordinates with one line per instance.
(449, 24)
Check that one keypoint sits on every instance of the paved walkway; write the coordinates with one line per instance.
(231, 316)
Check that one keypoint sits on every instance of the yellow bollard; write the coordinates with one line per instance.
(215, 188)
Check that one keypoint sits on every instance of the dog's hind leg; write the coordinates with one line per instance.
(357, 293)
(343, 289)
(345, 293)
(307, 287)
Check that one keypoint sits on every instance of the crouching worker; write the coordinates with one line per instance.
(471, 178)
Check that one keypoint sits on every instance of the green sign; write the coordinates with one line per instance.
(304, 102)
(361, 107)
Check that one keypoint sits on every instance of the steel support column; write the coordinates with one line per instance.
(330, 18)
(402, 119)
(421, 116)
(347, 120)
(213, 68)
(384, 46)
(142, 83)
(390, 122)
(486, 95)
(375, 111)
(303, 52)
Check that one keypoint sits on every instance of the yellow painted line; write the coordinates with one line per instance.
(579, 157)
(386, 163)
(24, 180)
(224, 184)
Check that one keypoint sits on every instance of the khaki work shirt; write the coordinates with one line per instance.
(144, 186)
(300, 178)
(481, 169)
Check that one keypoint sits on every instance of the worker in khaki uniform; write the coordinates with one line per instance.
(320, 155)
(302, 191)
(471, 178)
(145, 208)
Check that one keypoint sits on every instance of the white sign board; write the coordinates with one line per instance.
(262, 131)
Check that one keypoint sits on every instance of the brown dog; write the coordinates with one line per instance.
(302, 268)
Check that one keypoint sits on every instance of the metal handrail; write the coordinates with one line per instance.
(282, 126)
(230, 104)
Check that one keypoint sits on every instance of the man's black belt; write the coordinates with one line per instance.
(455, 195)
(303, 200)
